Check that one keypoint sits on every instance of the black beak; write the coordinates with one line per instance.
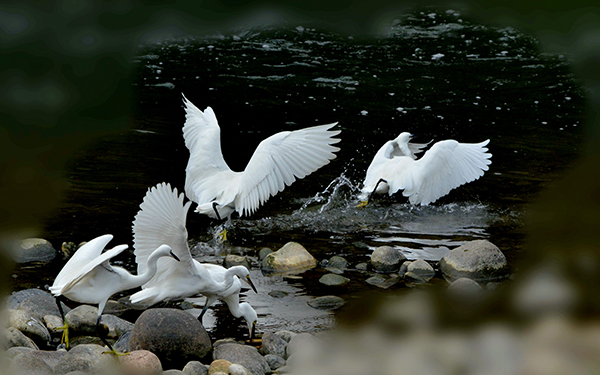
(252, 332)
(174, 256)
(251, 284)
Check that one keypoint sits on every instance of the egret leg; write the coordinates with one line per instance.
(222, 236)
(99, 333)
(365, 202)
(65, 328)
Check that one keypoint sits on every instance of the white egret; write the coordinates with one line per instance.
(88, 277)
(277, 162)
(162, 219)
(445, 166)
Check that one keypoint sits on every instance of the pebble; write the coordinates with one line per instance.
(175, 336)
(21, 320)
(34, 250)
(419, 271)
(247, 356)
(274, 361)
(263, 253)
(236, 369)
(195, 368)
(218, 365)
(292, 257)
(332, 279)
(286, 335)
(273, 344)
(25, 364)
(383, 282)
(325, 303)
(362, 266)
(140, 362)
(15, 338)
(338, 262)
(479, 260)
(386, 259)
(82, 320)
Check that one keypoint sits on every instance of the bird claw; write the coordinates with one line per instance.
(64, 340)
(362, 204)
(222, 236)
(115, 353)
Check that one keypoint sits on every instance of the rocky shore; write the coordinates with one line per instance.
(172, 341)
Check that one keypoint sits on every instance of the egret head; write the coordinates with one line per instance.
(250, 317)
(165, 250)
(404, 137)
(243, 273)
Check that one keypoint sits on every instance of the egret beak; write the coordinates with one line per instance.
(251, 283)
(174, 256)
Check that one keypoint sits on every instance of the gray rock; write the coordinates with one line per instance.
(175, 336)
(403, 269)
(338, 262)
(382, 282)
(324, 303)
(16, 350)
(116, 326)
(195, 368)
(246, 356)
(172, 372)
(291, 258)
(236, 260)
(40, 305)
(115, 308)
(140, 362)
(50, 357)
(465, 288)
(420, 271)
(84, 357)
(331, 279)
(25, 364)
(34, 250)
(286, 335)
(237, 369)
(273, 344)
(15, 299)
(274, 361)
(263, 253)
(16, 338)
(479, 260)
(82, 320)
(22, 321)
(52, 322)
(278, 293)
(122, 344)
(386, 259)
(362, 266)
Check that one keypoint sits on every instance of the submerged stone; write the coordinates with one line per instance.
(326, 303)
(332, 279)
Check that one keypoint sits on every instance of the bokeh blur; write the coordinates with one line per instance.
(66, 80)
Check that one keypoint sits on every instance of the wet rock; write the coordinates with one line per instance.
(362, 266)
(172, 372)
(237, 369)
(16, 338)
(331, 279)
(25, 364)
(324, 303)
(86, 358)
(278, 293)
(386, 259)
(419, 271)
(286, 335)
(52, 322)
(40, 305)
(195, 368)
(115, 308)
(175, 336)
(16, 350)
(116, 326)
(236, 260)
(34, 250)
(274, 361)
(82, 320)
(219, 365)
(50, 357)
(246, 356)
(382, 282)
(465, 288)
(479, 260)
(273, 344)
(122, 344)
(140, 362)
(263, 253)
(403, 269)
(292, 257)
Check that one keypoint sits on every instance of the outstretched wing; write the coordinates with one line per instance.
(446, 166)
(282, 158)
(161, 220)
(85, 254)
(202, 137)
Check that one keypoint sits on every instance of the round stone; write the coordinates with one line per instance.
(141, 362)
(479, 260)
(291, 258)
(324, 303)
(247, 356)
(386, 259)
(332, 279)
(34, 250)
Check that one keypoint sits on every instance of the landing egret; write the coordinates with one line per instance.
(445, 166)
(162, 219)
(88, 277)
(277, 162)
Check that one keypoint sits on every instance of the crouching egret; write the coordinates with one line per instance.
(276, 163)
(162, 219)
(88, 277)
(445, 166)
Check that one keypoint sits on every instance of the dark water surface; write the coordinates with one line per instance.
(435, 74)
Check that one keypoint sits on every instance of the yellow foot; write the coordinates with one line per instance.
(362, 204)
(65, 335)
(115, 353)
(222, 236)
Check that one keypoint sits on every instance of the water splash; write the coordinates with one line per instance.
(337, 193)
